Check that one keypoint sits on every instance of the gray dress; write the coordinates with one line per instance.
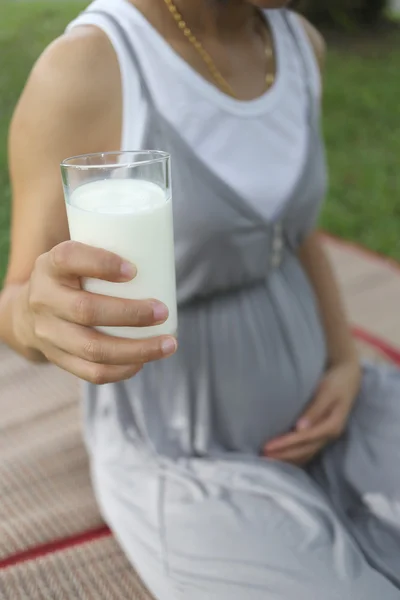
(175, 452)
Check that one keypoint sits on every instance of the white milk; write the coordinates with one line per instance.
(132, 218)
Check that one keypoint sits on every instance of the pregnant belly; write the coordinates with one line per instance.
(267, 355)
(248, 364)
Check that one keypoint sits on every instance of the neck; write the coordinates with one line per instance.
(212, 17)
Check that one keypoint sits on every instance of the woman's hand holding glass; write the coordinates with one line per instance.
(62, 316)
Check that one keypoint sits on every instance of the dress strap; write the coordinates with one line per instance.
(309, 61)
(129, 48)
(304, 59)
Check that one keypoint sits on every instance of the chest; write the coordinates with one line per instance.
(222, 241)
(257, 148)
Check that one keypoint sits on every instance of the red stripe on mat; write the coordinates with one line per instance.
(55, 546)
(387, 349)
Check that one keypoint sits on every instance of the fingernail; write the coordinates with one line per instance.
(160, 312)
(127, 270)
(169, 346)
(303, 424)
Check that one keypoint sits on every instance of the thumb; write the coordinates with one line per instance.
(318, 408)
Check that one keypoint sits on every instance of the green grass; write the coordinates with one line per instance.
(25, 29)
(362, 131)
(362, 122)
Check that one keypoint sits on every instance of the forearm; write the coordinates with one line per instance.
(14, 322)
(317, 265)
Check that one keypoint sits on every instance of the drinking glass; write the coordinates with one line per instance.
(122, 202)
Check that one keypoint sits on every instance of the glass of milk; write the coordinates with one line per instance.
(121, 202)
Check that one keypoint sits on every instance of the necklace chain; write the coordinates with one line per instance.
(209, 62)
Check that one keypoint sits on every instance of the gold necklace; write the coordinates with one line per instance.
(212, 67)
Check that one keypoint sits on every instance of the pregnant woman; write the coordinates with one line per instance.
(259, 460)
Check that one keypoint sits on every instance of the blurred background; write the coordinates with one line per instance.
(361, 107)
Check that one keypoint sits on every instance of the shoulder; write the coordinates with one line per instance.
(316, 39)
(69, 106)
(73, 86)
(81, 61)
(76, 76)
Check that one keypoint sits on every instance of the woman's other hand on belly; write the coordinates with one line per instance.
(325, 419)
